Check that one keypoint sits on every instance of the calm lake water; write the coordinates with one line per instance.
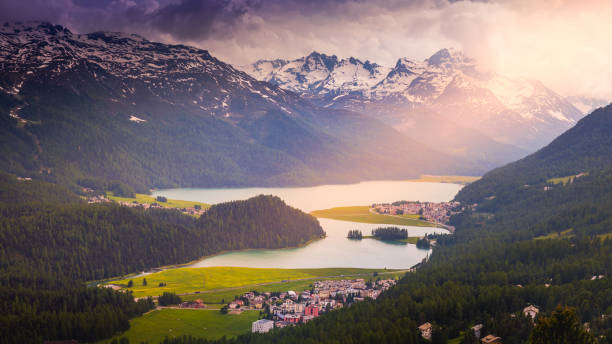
(335, 250)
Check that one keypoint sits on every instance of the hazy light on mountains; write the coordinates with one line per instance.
(563, 43)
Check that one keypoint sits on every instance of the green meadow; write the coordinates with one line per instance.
(563, 180)
(363, 214)
(409, 240)
(191, 280)
(556, 235)
(153, 327)
(215, 298)
(171, 203)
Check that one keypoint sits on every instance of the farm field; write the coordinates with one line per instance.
(153, 327)
(171, 203)
(363, 214)
(190, 280)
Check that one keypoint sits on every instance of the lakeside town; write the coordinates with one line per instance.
(438, 213)
(196, 210)
(282, 309)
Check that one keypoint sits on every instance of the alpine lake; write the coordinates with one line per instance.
(335, 250)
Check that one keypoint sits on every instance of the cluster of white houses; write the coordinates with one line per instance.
(429, 211)
(530, 311)
(291, 308)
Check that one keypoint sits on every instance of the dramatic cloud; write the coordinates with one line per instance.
(561, 42)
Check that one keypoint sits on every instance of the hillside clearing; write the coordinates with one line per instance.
(170, 203)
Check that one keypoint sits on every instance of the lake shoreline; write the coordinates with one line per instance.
(335, 250)
(195, 261)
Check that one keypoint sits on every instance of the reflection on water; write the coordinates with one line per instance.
(335, 250)
(326, 196)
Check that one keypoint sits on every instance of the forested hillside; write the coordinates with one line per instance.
(99, 241)
(543, 244)
(113, 106)
(51, 242)
(15, 191)
(585, 147)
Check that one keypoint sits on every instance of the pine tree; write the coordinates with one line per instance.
(562, 327)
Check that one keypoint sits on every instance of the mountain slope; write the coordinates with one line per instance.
(520, 115)
(527, 246)
(114, 106)
(585, 147)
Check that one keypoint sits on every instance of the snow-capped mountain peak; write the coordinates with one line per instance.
(35, 51)
(450, 58)
(319, 74)
(448, 81)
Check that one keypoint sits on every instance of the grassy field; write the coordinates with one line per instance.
(568, 234)
(464, 180)
(605, 236)
(560, 180)
(409, 240)
(171, 203)
(363, 214)
(215, 298)
(210, 324)
(564, 234)
(189, 280)
(563, 180)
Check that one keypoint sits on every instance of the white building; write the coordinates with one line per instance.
(262, 326)
(531, 311)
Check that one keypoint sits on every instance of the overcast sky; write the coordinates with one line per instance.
(564, 43)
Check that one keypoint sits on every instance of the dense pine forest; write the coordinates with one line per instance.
(390, 233)
(522, 240)
(585, 147)
(51, 242)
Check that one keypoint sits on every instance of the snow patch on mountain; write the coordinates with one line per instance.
(34, 51)
(137, 119)
(448, 82)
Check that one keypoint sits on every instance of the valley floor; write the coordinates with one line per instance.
(225, 283)
(213, 280)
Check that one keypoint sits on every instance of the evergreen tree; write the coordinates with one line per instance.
(562, 327)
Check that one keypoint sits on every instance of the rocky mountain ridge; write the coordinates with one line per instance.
(518, 112)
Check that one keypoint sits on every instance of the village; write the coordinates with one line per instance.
(196, 210)
(438, 213)
(282, 309)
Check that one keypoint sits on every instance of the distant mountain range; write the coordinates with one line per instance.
(114, 106)
(446, 101)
